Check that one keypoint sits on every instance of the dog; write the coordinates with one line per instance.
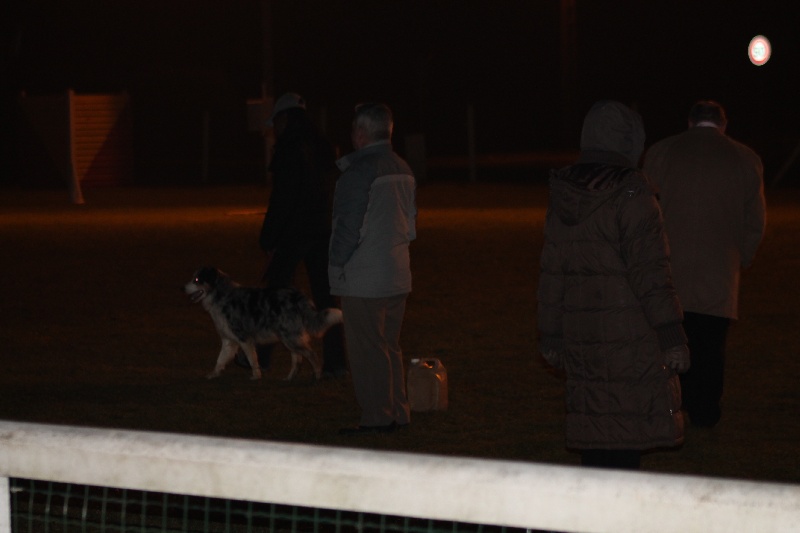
(247, 316)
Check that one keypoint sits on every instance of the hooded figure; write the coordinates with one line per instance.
(608, 313)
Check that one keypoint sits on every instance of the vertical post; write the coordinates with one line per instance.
(267, 101)
(787, 165)
(323, 120)
(206, 143)
(568, 49)
(473, 170)
(5, 506)
(76, 194)
(415, 155)
(267, 77)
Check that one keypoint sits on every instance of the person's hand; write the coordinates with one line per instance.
(553, 358)
(678, 359)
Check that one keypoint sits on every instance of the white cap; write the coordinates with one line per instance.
(287, 101)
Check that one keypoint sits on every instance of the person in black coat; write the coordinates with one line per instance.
(608, 313)
(297, 226)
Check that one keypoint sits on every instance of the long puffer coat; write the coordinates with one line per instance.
(607, 307)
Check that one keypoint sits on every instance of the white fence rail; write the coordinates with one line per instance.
(515, 494)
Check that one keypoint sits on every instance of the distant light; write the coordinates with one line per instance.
(759, 50)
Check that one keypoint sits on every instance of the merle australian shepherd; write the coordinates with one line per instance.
(247, 316)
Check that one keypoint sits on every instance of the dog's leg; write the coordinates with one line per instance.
(226, 355)
(316, 362)
(297, 359)
(300, 347)
(250, 351)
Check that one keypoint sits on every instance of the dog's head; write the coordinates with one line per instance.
(203, 283)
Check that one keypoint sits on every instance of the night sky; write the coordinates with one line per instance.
(429, 59)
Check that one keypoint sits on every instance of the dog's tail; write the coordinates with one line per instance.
(318, 322)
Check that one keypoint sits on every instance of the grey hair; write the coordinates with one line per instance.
(375, 120)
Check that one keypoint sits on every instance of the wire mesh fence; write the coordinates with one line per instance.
(68, 478)
(46, 506)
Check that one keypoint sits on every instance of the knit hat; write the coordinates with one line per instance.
(287, 101)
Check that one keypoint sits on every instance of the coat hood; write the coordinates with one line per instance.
(611, 130)
(612, 141)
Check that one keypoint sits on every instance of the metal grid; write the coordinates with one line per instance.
(46, 506)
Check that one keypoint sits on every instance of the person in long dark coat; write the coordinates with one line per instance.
(608, 313)
(297, 226)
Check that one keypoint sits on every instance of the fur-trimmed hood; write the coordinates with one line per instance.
(577, 191)
(612, 141)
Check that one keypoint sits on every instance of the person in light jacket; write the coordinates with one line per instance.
(608, 314)
(374, 221)
(712, 196)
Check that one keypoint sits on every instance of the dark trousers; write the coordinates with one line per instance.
(280, 273)
(372, 327)
(618, 459)
(701, 386)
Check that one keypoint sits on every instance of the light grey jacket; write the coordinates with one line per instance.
(374, 221)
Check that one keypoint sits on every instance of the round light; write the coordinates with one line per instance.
(759, 50)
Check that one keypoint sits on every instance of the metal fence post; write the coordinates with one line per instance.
(5, 506)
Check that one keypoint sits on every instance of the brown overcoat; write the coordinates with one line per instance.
(711, 193)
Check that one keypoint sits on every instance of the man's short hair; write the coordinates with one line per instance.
(708, 111)
(375, 120)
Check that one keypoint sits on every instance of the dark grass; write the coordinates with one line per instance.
(96, 331)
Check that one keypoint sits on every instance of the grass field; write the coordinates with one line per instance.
(97, 332)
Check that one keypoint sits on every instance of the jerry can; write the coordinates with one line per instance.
(427, 385)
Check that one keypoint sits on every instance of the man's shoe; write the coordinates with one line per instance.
(334, 374)
(706, 419)
(369, 430)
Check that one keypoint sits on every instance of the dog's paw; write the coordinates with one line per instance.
(212, 375)
(255, 375)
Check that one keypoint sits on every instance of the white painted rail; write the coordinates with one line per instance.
(494, 492)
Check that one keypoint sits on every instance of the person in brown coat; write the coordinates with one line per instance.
(608, 313)
(712, 196)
